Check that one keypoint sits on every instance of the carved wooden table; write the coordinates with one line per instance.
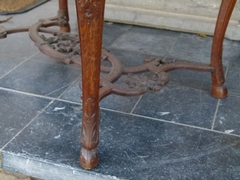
(65, 47)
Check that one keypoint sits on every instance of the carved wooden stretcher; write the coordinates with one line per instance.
(65, 47)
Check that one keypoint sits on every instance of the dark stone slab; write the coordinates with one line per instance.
(147, 41)
(131, 58)
(112, 31)
(17, 110)
(47, 170)
(234, 59)
(20, 44)
(52, 143)
(130, 148)
(119, 103)
(0, 159)
(194, 79)
(8, 63)
(147, 149)
(179, 104)
(228, 116)
(40, 78)
(232, 80)
(194, 48)
(73, 93)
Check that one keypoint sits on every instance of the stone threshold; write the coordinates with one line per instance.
(169, 20)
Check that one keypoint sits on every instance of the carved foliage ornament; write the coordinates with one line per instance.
(64, 43)
(91, 8)
(90, 124)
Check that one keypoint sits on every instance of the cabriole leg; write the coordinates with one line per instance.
(63, 13)
(90, 23)
(218, 79)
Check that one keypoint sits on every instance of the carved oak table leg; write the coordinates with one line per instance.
(90, 22)
(218, 88)
(63, 12)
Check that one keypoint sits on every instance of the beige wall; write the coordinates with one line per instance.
(197, 16)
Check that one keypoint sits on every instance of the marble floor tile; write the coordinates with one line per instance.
(16, 111)
(179, 104)
(130, 148)
(194, 48)
(7, 64)
(233, 80)
(17, 46)
(228, 116)
(40, 78)
(147, 41)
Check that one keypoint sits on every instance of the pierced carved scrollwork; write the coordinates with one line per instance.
(64, 43)
(65, 47)
(147, 82)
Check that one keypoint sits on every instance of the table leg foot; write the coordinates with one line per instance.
(88, 158)
(65, 28)
(219, 91)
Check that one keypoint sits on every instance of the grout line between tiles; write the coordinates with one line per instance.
(39, 96)
(215, 115)
(9, 56)
(172, 47)
(67, 85)
(139, 99)
(26, 93)
(19, 65)
(71, 84)
(227, 69)
(119, 36)
(169, 122)
(67, 101)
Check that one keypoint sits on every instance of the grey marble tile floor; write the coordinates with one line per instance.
(181, 132)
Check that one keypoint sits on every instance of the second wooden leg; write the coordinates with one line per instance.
(218, 79)
(63, 13)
